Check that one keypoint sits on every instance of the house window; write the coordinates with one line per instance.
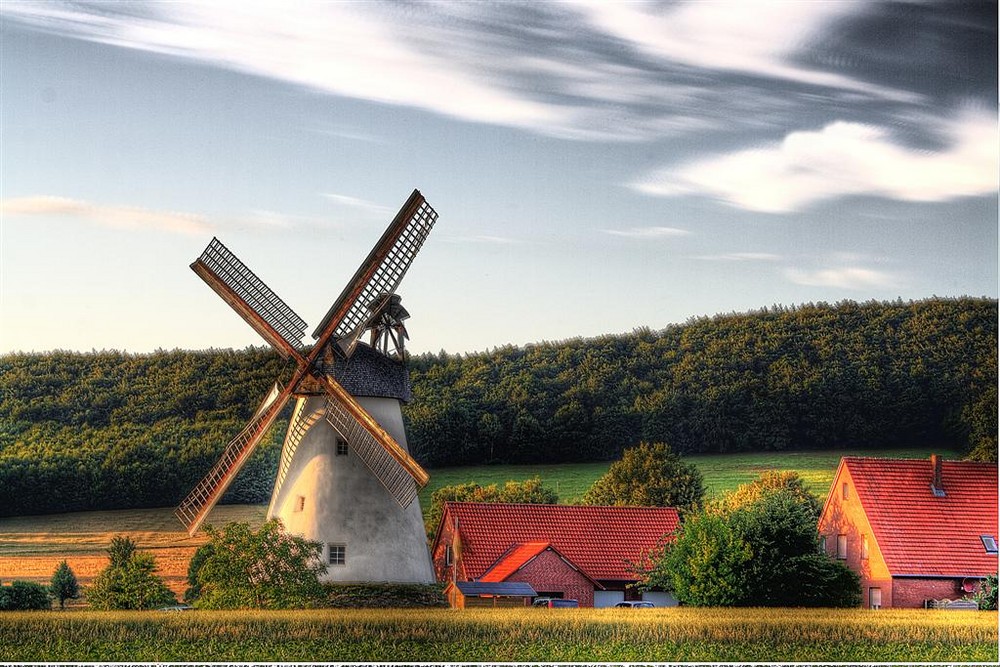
(989, 543)
(341, 447)
(845, 491)
(864, 547)
(300, 503)
(822, 544)
(449, 556)
(842, 547)
(338, 554)
(874, 598)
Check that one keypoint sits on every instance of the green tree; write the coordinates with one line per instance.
(129, 581)
(758, 549)
(64, 585)
(262, 569)
(770, 482)
(649, 475)
(193, 591)
(528, 491)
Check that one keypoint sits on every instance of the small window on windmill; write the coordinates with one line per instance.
(300, 503)
(989, 543)
(341, 447)
(338, 554)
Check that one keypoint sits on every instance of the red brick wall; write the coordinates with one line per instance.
(550, 573)
(911, 593)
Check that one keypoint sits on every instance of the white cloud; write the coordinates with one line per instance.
(648, 232)
(754, 37)
(122, 217)
(847, 277)
(364, 206)
(842, 159)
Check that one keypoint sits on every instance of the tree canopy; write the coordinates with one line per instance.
(129, 581)
(528, 491)
(64, 585)
(759, 549)
(649, 475)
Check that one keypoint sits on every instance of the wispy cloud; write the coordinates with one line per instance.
(648, 232)
(121, 217)
(741, 257)
(582, 70)
(839, 160)
(845, 277)
(360, 205)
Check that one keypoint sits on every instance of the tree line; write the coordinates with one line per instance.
(105, 430)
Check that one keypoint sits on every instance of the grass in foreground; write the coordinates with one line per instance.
(515, 635)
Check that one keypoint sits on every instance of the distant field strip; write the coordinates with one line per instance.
(506, 635)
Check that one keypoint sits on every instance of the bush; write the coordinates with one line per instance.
(528, 491)
(24, 596)
(263, 569)
(129, 581)
(986, 596)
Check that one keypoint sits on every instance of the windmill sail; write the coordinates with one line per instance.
(381, 271)
(298, 426)
(396, 470)
(240, 287)
(196, 506)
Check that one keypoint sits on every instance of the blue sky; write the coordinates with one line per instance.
(596, 166)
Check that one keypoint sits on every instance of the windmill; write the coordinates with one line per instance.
(345, 476)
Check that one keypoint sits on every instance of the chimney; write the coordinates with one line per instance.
(936, 485)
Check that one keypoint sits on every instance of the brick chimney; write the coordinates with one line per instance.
(936, 485)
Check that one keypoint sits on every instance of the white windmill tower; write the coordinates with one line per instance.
(346, 478)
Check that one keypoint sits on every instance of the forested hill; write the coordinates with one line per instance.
(106, 430)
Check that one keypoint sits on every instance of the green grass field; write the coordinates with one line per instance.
(506, 635)
(722, 472)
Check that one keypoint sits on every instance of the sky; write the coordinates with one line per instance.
(596, 166)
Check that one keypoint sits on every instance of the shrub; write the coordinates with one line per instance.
(129, 581)
(528, 491)
(361, 596)
(24, 596)
(986, 596)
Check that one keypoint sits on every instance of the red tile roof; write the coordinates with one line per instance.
(599, 540)
(919, 533)
(514, 559)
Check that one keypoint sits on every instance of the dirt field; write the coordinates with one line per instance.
(32, 547)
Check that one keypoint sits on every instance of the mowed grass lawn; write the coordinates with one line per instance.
(505, 635)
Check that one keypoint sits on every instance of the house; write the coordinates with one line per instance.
(914, 530)
(464, 594)
(562, 551)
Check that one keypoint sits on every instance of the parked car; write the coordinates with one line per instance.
(636, 604)
(555, 602)
(176, 607)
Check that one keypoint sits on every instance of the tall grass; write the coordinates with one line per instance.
(516, 635)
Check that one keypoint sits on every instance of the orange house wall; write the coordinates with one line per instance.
(549, 573)
(848, 517)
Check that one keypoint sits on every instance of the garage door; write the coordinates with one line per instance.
(608, 598)
(660, 599)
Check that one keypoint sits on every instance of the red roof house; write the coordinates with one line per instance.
(579, 552)
(914, 530)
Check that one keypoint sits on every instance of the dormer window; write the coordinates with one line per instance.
(989, 543)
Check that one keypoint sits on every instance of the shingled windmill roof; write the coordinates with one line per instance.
(370, 373)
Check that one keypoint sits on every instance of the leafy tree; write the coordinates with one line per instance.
(64, 585)
(528, 491)
(193, 591)
(758, 549)
(24, 596)
(768, 483)
(649, 474)
(262, 569)
(129, 581)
